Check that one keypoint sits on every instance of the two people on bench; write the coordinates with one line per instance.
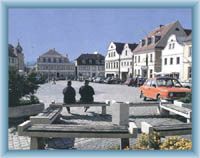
(86, 92)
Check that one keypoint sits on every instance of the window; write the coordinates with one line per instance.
(151, 58)
(171, 61)
(126, 52)
(135, 72)
(116, 64)
(44, 60)
(178, 60)
(131, 63)
(169, 46)
(190, 52)
(124, 63)
(165, 61)
(54, 60)
(151, 73)
(114, 54)
(173, 45)
(49, 60)
(135, 59)
(127, 63)
(138, 59)
(60, 61)
(138, 71)
(189, 72)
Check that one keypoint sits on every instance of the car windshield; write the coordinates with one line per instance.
(168, 82)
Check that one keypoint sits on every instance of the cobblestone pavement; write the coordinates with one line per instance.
(49, 92)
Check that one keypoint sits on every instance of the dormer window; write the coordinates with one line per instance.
(83, 61)
(143, 42)
(90, 61)
(157, 38)
(149, 40)
(177, 29)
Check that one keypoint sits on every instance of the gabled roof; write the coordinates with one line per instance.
(132, 46)
(161, 31)
(119, 47)
(188, 38)
(51, 53)
(188, 31)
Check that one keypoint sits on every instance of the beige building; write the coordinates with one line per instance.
(16, 57)
(148, 54)
(54, 65)
(187, 62)
(90, 65)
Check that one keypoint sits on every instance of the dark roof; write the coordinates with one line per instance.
(88, 57)
(132, 46)
(19, 48)
(161, 31)
(188, 31)
(119, 47)
(11, 51)
(52, 52)
(188, 38)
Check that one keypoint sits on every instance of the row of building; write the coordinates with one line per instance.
(165, 50)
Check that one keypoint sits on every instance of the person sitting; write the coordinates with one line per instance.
(69, 95)
(86, 93)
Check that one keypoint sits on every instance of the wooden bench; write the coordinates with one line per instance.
(47, 116)
(78, 104)
(164, 110)
(38, 132)
(167, 130)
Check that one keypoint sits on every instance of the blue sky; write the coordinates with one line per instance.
(74, 31)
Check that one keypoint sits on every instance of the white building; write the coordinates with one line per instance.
(90, 65)
(187, 58)
(148, 54)
(173, 57)
(118, 61)
(54, 65)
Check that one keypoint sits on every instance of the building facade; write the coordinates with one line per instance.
(173, 57)
(16, 57)
(148, 53)
(187, 58)
(119, 60)
(54, 65)
(90, 65)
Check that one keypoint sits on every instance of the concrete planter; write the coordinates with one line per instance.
(181, 104)
(26, 110)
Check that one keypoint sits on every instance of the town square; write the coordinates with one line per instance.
(100, 79)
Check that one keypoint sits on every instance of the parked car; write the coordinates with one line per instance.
(186, 84)
(141, 81)
(130, 82)
(107, 80)
(99, 80)
(163, 88)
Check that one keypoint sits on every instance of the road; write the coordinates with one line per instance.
(122, 93)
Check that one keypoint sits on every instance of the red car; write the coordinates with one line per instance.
(163, 88)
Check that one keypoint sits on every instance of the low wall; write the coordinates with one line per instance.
(26, 110)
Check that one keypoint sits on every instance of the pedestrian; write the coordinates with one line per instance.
(86, 93)
(54, 80)
(69, 95)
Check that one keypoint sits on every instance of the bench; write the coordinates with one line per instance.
(78, 104)
(164, 110)
(47, 116)
(38, 132)
(167, 130)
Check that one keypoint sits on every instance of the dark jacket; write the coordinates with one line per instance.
(86, 93)
(69, 95)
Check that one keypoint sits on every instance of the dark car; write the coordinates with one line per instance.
(107, 80)
(141, 81)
